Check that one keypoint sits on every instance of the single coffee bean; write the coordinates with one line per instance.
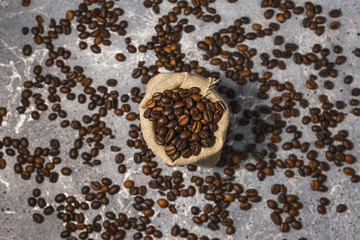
(296, 225)
(321, 209)
(32, 202)
(335, 13)
(355, 178)
(128, 184)
(357, 52)
(334, 25)
(38, 218)
(349, 171)
(131, 116)
(120, 57)
(95, 48)
(2, 163)
(284, 227)
(324, 201)
(25, 3)
(272, 204)
(341, 208)
(245, 206)
(183, 120)
(163, 203)
(348, 79)
(66, 171)
(27, 50)
(275, 218)
(114, 189)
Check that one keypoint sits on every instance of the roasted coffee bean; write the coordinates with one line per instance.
(27, 50)
(66, 171)
(341, 208)
(25, 3)
(128, 184)
(2, 163)
(275, 218)
(335, 13)
(95, 48)
(324, 201)
(131, 116)
(163, 203)
(296, 225)
(334, 25)
(272, 204)
(357, 52)
(38, 218)
(284, 227)
(131, 49)
(175, 230)
(120, 57)
(245, 206)
(275, 189)
(321, 209)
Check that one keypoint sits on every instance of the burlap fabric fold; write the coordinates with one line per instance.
(168, 81)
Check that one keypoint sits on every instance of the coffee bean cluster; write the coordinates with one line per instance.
(290, 205)
(30, 163)
(184, 121)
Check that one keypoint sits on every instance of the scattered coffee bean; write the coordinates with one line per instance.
(341, 208)
(27, 50)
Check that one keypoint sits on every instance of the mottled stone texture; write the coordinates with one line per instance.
(16, 217)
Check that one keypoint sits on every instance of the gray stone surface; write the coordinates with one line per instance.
(16, 216)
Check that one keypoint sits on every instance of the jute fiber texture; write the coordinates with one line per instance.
(208, 157)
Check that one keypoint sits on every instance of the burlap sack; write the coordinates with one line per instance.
(168, 81)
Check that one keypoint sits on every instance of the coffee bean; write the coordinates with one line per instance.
(183, 120)
(341, 208)
(27, 50)
(335, 13)
(245, 206)
(356, 111)
(95, 48)
(120, 57)
(275, 218)
(284, 227)
(311, 84)
(128, 184)
(272, 204)
(189, 28)
(114, 189)
(2, 163)
(298, 10)
(349, 171)
(357, 52)
(83, 45)
(324, 201)
(296, 225)
(148, 212)
(355, 178)
(334, 25)
(275, 189)
(163, 203)
(66, 171)
(25, 3)
(321, 209)
(38, 218)
(131, 116)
